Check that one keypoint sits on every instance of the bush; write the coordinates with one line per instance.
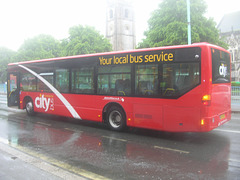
(235, 83)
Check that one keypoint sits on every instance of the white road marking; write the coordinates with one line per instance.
(229, 131)
(123, 140)
(234, 160)
(170, 149)
(45, 124)
(77, 131)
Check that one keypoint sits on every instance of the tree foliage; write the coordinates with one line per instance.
(168, 25)
(85, 40)
(6, 56)
(39, 47)
(82, 40)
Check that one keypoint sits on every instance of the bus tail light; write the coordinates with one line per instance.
(202, 122)
(206, 100)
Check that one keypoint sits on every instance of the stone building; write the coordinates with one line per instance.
(120, 24)
(229, 28)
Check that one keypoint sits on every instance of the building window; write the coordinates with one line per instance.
(111, 14)
(126, 13)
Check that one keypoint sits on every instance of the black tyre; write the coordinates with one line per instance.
(30, 108)
(116, 118)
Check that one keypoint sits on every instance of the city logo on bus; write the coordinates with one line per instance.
(223, 70)
(45, 103)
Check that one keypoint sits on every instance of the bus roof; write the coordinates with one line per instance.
(201, 44)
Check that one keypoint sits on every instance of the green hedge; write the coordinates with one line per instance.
(235, 83)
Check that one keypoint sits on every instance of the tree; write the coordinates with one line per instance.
(39, 47)
(6, 56)
(168, 25)
(84, 40)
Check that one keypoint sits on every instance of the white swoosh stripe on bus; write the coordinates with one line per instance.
(55, 91)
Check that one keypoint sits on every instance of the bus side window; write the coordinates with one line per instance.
(28, 82)
(114, 80)
(179, 78)
(62, 80)
(123, 87)
(103, 84)
(146, 80)
(47, 76)
(82, 80)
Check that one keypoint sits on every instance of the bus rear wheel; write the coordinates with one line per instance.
(116, 118)
(30, 108)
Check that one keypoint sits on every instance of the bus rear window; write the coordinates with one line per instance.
(220, 67)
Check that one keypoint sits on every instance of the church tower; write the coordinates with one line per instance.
(120, 24)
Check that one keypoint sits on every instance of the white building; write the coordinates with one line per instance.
(229, 28)
(120, 24)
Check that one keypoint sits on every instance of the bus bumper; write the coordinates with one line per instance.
(210, 123)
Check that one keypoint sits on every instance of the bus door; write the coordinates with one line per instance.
(13, 89)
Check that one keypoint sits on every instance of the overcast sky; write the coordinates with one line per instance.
(23, 19)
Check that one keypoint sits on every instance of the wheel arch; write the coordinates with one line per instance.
(107, 106)
(25, 100)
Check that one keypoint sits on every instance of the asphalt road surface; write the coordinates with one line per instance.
(63, 148)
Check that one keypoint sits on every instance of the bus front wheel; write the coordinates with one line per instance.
(30, 108)
(116, 118)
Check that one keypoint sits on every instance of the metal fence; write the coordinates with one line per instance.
(3, 88)
(236, 94)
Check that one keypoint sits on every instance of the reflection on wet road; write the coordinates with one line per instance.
(93, 151)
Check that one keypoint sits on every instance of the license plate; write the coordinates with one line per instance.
(223, 116)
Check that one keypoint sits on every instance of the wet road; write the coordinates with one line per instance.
(92, 151)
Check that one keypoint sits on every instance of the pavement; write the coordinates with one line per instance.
(15, 164)
(235, 108)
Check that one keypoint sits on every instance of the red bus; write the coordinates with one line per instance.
(176, 88)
